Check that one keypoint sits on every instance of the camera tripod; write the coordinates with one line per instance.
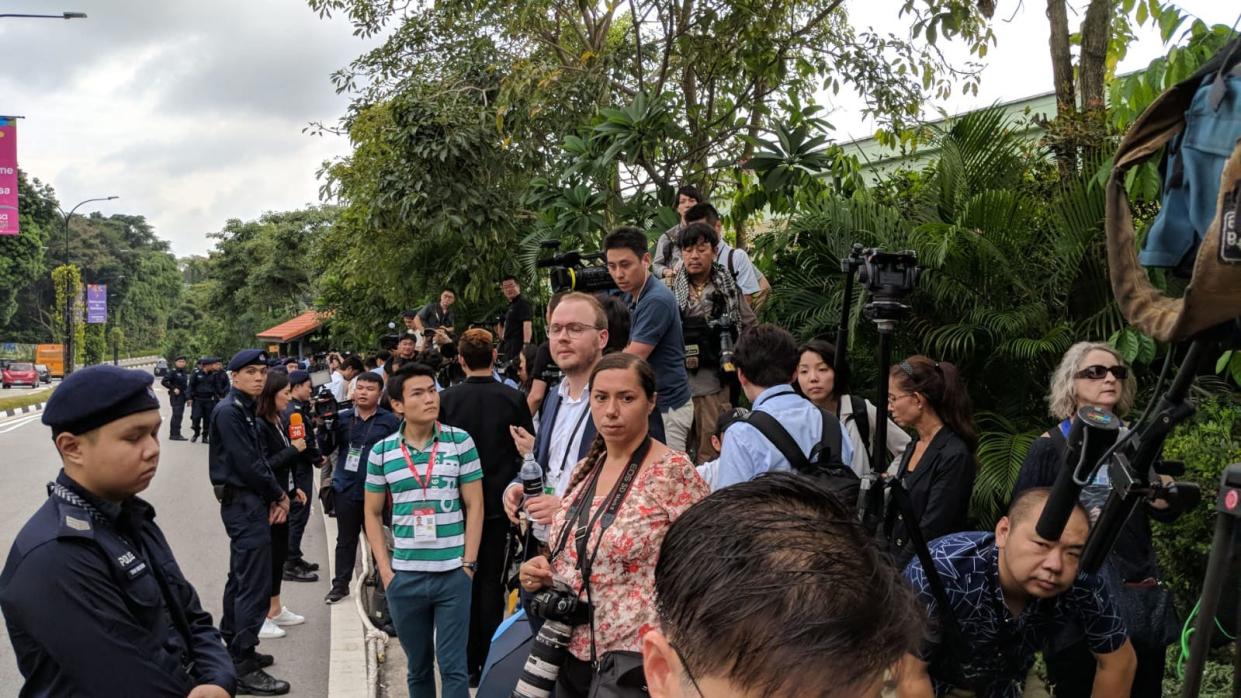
(1223, 544)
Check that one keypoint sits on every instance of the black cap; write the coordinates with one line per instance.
(298, 377)
(247, 357)
(275, 363)
(180, 357)
(97, 395)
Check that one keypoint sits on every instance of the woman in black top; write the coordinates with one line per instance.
(281, 455)
(937, 468)
(1092, 374)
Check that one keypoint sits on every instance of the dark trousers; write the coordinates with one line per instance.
(178, 412)
(1071, 672)
(279, 553)
(348, 527)
(299, 514)
(574, 679)
(247, 593)
(200, 416)
(487, 595)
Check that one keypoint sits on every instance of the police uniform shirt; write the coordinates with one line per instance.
(176, 380)
(82, 599)
(236, 452)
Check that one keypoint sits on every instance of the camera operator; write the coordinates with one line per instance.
(578, 332)
(833, 616)
(1093, 374)
(713, 313)
(667, 252)
(749, 279)
(643, 486)
(487, 410)
(518, 330)
(296, 568)
(1009, 593)
(766, 358)
(655, 334)
(436, 314)
(357, 430)
(343, 377)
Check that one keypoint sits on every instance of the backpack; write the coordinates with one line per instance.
(861, 417)
(824, 462)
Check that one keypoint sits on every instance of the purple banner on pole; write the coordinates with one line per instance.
(96, 304)
(8, 177)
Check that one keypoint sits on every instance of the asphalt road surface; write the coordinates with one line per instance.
(189, 516)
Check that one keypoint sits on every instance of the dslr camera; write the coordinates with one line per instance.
(575, 270)
(562, 610)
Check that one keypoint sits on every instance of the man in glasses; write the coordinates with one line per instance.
(771, 588)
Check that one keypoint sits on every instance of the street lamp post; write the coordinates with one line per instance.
(68, 292)
(62, 15)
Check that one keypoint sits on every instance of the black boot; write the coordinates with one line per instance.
(253, 681)
(296, 573)
(194, 437)
(176, 437)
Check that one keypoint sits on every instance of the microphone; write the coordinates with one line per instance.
(1093, 432)
(297, 430)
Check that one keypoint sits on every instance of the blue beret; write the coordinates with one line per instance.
(247, 357)
(96, 395)
(298, 377)
(273, 363)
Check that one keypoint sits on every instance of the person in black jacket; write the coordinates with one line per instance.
(487, 409)
(1093, 374)
(282, 455)
(203, 398)
(251, 499)
(93, 598)
(937, 469)
(296, 568)
(178, 388)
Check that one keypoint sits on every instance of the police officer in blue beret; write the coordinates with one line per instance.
(93, 597)
(203, 398)
(251, 499)
(178, 387)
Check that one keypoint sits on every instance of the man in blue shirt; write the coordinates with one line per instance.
(357, 430)
(1010, 592)
(766, 359)
(655, 333)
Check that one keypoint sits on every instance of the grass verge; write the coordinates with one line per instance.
(17, 401)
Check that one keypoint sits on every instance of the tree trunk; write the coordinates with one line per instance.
(756, 122)
(1092, 75)
(1062, 72)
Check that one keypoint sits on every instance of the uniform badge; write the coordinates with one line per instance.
(76, 523)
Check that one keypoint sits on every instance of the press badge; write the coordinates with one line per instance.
(352, 459)
(424, 524)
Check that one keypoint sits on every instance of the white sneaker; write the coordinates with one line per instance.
(287, 617)
(271, 631)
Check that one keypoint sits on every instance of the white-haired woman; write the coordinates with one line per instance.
(1093, 374)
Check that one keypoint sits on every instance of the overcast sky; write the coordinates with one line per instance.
(193, 112)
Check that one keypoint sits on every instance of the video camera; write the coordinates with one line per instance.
(570, 272)
(323, 407)
(889, 277)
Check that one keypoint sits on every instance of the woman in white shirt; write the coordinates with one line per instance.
(816, 379)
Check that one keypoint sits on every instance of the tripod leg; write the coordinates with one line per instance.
(1212, 585)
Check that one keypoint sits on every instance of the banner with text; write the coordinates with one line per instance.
(96, 304)
(8, 176)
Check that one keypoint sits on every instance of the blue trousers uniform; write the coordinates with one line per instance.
(299, 514)
(247, 594)
(200, 416)
(178, 413)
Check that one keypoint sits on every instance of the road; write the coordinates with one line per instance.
(189, 516)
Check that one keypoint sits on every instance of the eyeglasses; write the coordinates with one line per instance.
(574, 329)
(1097, 372)
(893, 397)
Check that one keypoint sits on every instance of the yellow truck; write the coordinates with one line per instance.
(52, 356)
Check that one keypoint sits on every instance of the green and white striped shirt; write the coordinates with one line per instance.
(456, 463)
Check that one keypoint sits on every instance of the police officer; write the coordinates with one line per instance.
(93, 597)
(296, 567)
(202, 398)
(178, 388)
(251, 500)
(220, 381)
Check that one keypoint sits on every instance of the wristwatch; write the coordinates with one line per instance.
(471, 566)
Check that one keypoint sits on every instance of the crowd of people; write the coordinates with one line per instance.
(713, 546)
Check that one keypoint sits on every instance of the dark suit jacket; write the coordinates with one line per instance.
(939, 489)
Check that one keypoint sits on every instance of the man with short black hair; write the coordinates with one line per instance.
(487, 410)
(1010, 591)
(343, 377)
(655, 334)
(406, 348)
(518, 329)
(749, 279)
(409, 317)
(436, 314)
(766, 358)
(667, 253)
(772, 588)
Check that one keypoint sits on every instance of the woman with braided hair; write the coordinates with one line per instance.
(622, 498)
(937, 469)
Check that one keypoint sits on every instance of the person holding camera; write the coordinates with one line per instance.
(833, 617)
(750, 280)
(713, 313)
(357, 431)
(1000, 597)
(620, 502)
(655, 333)
(667, 252)
(1093, 374)
(436, 314)
(937, 469)
(296, 568)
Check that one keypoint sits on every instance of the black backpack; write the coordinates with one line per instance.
(824, 462)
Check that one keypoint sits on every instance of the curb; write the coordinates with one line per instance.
(23, 410)
(347, 663)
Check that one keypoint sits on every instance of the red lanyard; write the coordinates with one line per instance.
(435, 446)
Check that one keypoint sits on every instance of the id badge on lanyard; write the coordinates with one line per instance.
(424, 516)
(353, 459)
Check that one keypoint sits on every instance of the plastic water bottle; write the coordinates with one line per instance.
(532, 486)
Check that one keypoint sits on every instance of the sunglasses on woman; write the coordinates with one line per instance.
(1097, 372)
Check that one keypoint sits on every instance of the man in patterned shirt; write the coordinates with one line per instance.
(1010, 592)
(436, 482)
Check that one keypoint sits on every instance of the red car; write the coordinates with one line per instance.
(20, 373)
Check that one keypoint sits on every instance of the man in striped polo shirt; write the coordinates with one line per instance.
(436, 482)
